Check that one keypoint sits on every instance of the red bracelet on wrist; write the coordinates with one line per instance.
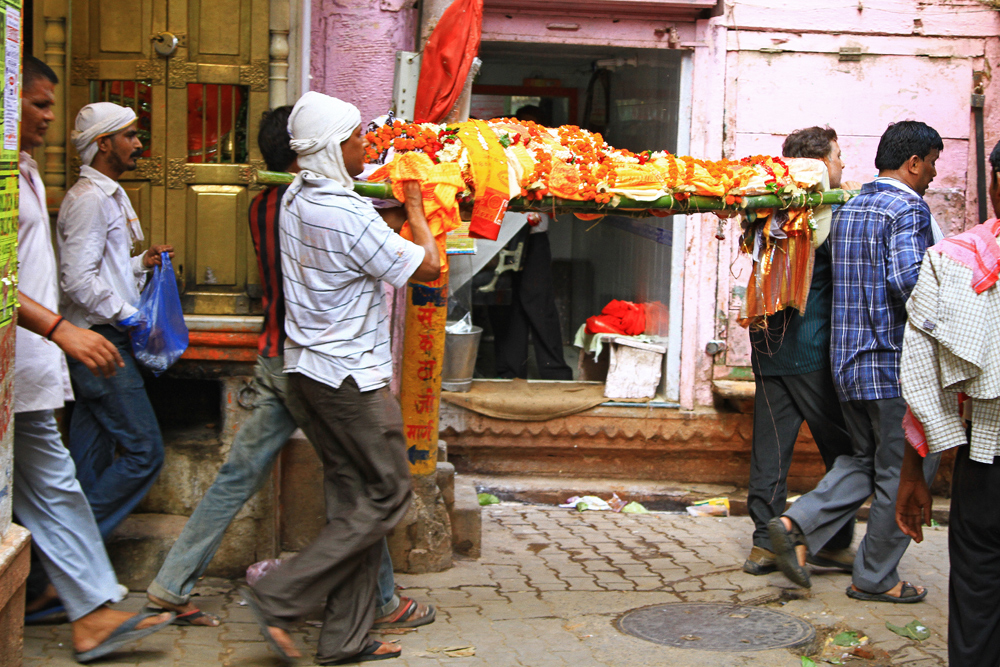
(53, 328)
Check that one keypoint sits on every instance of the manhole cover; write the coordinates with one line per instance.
(716, 627)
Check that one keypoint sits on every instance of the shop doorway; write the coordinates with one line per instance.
(636, 99)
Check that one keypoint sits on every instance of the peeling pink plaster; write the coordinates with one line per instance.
(354, 44)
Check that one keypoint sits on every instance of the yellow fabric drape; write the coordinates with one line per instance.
(439, 187)
(491, 181)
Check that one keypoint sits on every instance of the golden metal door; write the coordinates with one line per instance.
(196, 71)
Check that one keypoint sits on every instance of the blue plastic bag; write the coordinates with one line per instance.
(158, 332)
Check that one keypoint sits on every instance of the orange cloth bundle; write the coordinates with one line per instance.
(439, 186)
(619, 317)
(782, 276)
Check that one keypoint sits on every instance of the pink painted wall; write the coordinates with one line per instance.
(752, 84)
(354, 44)
(917, 62)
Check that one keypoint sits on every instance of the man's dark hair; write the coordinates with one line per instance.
(273, 139)
(531, 112)
(903, 140)
(811, 142)
(995, 159)
(34, 69)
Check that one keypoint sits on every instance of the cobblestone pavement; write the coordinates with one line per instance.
(549, 588)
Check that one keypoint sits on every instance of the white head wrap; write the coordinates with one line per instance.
(95, 121)
(318, 125)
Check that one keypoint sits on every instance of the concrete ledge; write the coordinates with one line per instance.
(15, 561)
(466, 519)
(140, 544)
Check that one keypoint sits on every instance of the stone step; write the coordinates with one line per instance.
(140, 544)
(466, 519)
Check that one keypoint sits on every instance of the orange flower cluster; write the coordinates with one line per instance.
(573, 163)
(402, 137)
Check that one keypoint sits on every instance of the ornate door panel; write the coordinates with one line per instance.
(196, 71)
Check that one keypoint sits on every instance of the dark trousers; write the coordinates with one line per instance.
(974, 549)
(781, 404)
(876, 428)
(114, 437)
(533, 310)
(359, 438)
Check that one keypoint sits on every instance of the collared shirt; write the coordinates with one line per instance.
(97, 228)
(877, 241)
(952, 345)
(335, 252)
(264, 210)
(41, 378)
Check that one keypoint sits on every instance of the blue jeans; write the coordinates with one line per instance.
(254, 449)
(114, 415)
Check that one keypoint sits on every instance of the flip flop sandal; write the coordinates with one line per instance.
(46, 614)
(784, 541)
(188, 618)
(253, 604)
(908, 595)
(367, 655)
(123, 634)
(403, 618)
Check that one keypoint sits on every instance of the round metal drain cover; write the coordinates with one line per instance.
(716, 627)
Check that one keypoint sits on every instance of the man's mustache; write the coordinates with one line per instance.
(138, 153)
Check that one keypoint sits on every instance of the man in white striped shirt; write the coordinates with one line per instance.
(336, 251)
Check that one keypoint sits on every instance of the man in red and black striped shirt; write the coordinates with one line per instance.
(267, 428)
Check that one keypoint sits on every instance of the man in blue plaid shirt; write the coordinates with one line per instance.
(877, 242)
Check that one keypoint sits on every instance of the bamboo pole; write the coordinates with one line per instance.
(626, 207)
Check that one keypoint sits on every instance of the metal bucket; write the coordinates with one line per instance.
(460, 351)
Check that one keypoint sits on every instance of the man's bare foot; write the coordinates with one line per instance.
(188, 612)
(284, 641)
(42, 601)
(801, 552)
(91, 630)
(388, 649)
(896, 591)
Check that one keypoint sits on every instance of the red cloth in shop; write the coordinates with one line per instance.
(447, 58)
(620, 317)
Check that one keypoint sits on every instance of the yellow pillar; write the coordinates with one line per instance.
(423, 354)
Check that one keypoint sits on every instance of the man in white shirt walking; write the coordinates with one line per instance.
(114, 437)
(47, 497)
(335, 252)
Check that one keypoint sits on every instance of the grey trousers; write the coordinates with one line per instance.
(49, 502)
(782, 403)
(359, 438)
(876, 428)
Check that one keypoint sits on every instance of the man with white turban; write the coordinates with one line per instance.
(46, 496)
(336, 251)
(101, 281)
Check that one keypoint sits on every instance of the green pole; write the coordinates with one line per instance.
(626, 207)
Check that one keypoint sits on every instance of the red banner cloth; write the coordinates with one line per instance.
(447, 58)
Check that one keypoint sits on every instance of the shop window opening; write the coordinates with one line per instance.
(633, 97)
(217, 123)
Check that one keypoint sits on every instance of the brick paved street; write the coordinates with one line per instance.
(551, 584)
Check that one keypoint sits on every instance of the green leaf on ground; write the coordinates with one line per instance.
(912, 630)
(634, 508)
(488, 499)
(847, 639)
(808, 662)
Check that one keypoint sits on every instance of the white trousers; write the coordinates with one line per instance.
(49, 502)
